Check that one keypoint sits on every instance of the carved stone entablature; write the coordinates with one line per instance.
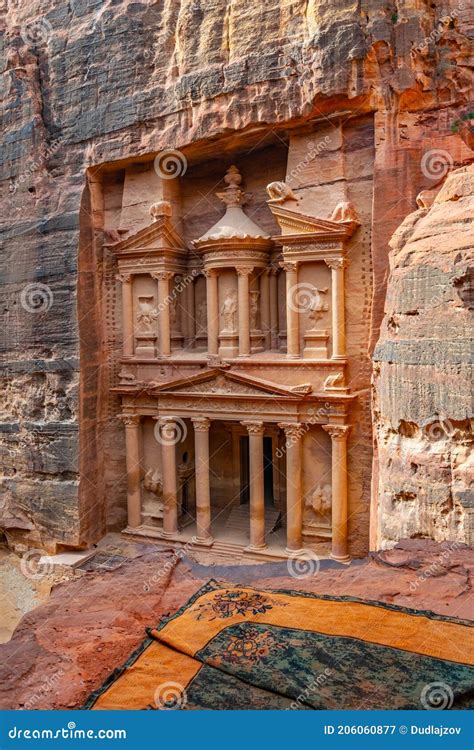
(235, 256)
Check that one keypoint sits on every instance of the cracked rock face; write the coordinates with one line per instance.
(423, 372)
(85, 83)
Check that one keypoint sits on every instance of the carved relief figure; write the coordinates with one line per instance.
(229, 311)
(146, 312)
(254, 296)
(153, 483)
(174, 323)
(201, 317)
(280, 192)
(316, 306)
(319, 502)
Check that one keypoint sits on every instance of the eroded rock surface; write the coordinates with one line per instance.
(423, 372)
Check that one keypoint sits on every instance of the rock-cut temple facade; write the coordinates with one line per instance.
(234, 400)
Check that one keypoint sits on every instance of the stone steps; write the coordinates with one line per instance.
(238, 521)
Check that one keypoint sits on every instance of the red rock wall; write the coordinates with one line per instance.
(423, 373)
(86, 83)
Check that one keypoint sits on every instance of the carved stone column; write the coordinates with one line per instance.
(294, 493)
(203, 492)
(167, 438)
(132, 460)
(212, 312)
(265, 307)
(257, 492)
(339, 435)
(337, 266)
(273, 283)
(164, 342)
(127, 312)
(292, 313)
(243, 274)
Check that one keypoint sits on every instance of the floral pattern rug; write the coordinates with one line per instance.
(234, 647)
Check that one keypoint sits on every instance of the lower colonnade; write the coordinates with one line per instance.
(293, 432)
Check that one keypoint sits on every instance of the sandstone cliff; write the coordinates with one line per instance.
(423, 372)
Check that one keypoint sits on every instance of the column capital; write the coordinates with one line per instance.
(244, 270)
(123, 277)
(254, 427)
(201, 424)
(209, 273)
(292, 430)
(162, 275)
(289, 266)
(130, 420)
(336, 263)
(337, 431)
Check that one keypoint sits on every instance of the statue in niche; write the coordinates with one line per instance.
(147, 313)
(153, 483)
(254, 296)
(229, 311)
(174, 323)
(201, 317)
(316, 306)
(320, 501)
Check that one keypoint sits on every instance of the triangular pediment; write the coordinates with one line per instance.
(160, 235)
(220, 382)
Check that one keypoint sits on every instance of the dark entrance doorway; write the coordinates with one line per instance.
(267, 471)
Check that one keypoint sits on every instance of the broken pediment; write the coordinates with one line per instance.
(299, 226)
(221, 383)
(160, 237)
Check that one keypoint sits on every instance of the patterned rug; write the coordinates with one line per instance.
(235, 647)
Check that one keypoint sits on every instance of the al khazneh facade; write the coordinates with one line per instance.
(198, 319)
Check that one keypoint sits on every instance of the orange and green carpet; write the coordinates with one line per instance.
(235, 647)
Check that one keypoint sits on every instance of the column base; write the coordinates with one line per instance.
(338, 357)
(203, 541)
(170, 534)
(298, 551)
(341, 558)
(293, 356)
(255, 547)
